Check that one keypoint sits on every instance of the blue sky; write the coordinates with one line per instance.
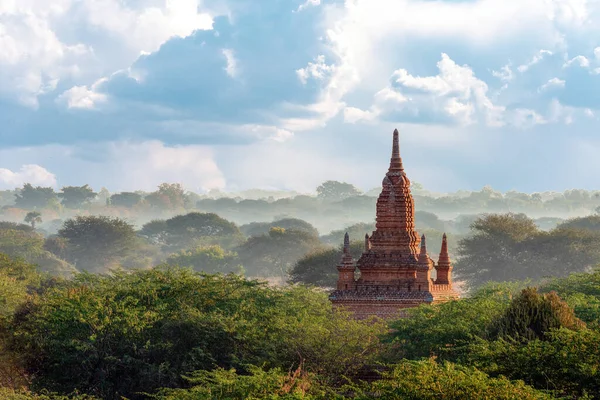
(285, 94)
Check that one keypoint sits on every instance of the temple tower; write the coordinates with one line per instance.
(346, 267)
(444, 267)
(395, 268)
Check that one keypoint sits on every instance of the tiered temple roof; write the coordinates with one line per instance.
(395, 268)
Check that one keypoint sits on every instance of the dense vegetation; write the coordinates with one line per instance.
(181, 334)
(153, 295)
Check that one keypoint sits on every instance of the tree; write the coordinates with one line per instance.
(532, 315)
(334, 191)
(591, 222)
(76, 196)
(96, 242)
(356, 232)
(319, 266)
(125, 199)
(16, 276)
(118, 336)
(429, 380)
(168, 196)
(260, 228)
(275, 253)
(103, 196)
(446, 330)
(211, 259)
(32, 218)
(29, 245)
(510, 247)
(191, 230)
(16, 280)
(424, 219)
(30, 197)
(423, 380)
(15, 226)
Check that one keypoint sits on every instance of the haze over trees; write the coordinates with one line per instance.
(145, 317)
(505, 247)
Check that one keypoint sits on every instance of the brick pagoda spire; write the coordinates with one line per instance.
(395, 269)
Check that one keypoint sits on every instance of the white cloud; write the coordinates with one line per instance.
(119, 166)
(145, 27)
(232, 67)
(582, 61)
(455, 94)
(317, 70)
(35, 53)
(560, 113)
(552, 84)
(539, 56)
(525, 118)
(145, 165)
(82, 97)
(353, 115)
(505, 74)
(270, 132)
(308, 3)
(360, 34)
(29, 173)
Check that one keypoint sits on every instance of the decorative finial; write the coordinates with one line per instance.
(444, 257)
(367, 242)
(423, 257)
(396, 161)
(346, 243)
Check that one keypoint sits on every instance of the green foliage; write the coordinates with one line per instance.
(446, 330)
(275, 253)
(32, 218)
(211, 259)
(30, 246)
(10, 394)
(30, 197)
(190, 230)
(168, 196)
(76, 196)
(19, 243)
(424, 380)
(261, 228)
(15, 226)
(97, 242)
(119, 335)
(356, 232)
(591, 222)
(57, 245)
(566, 361)
(273, 384)
(532, 315)
(334, 191)
(318, 267)
(511, 247)
(125, 199)
(580, 291)
(418, 380)
(16, 276)
(428, 220)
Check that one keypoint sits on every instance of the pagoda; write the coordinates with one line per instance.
(395, 270)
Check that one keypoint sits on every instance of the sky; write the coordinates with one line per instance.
(285, 94)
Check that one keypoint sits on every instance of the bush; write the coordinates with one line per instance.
(531, 315)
